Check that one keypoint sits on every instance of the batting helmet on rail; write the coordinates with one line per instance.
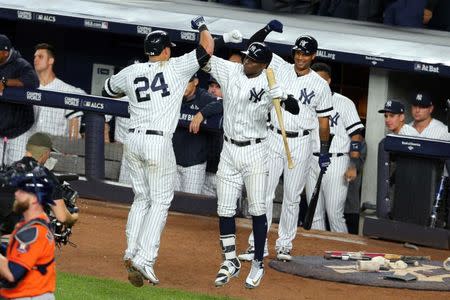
(259, 52)
(306, 44)
(156, 41)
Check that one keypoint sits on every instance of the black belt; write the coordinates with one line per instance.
(290, 134)
(242, 143)
(332, 154)
(148, 131)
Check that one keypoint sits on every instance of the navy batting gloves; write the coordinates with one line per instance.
(275, 25)
(197, 22)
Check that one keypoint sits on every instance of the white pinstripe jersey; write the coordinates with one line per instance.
(54, 120)
(155, 90)
(435, 130)
(121, 126)
(408, 130)
(312, 91)
(344, 121)
(246, 102)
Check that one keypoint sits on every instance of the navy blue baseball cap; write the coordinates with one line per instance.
(422, 99)
(212, 80)
(392, 106)
(5, 43)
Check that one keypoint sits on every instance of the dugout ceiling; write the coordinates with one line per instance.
(345, 41)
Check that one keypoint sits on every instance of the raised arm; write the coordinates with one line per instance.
(206, 40)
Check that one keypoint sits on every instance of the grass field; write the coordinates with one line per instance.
(70, 286)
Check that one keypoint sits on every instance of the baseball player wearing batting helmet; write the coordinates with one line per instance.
(28, 269)
(314, 96)
(345, 152)
(155, 91)
(247, 100)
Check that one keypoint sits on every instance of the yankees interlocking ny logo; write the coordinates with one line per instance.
(306, 98)
(256, 97)
(303, 43)
(334, 120)
(389, 104)
(419, 97)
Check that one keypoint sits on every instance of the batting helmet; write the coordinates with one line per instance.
(259, 52)
(156, 41)
(35, 182)
(305, 43)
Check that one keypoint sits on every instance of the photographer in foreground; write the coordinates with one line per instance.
(63, 213)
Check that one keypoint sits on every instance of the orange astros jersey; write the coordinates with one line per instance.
(32, 246)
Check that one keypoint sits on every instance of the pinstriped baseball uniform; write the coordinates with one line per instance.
(246, 104)
(155, 91)
(52, 120)
(333, 192)
(408, 130)
(314, 96)
(435, 130)
(120, 135)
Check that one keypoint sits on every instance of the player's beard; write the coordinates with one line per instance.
(20, 207)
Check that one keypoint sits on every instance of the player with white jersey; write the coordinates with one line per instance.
(345, 152)
(394, 118)
(54, 121)
(314, 97)
(427, 126)
(246, 102)
(120, 135)
(155, 91)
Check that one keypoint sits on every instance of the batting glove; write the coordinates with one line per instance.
(277, 93)
(324, 161)
(234, 36)
(274, 25)
(198, 22)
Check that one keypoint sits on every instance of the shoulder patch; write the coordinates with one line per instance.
(27, 235)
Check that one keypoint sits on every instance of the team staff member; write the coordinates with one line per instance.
(345, 153)
(190, 144)
(28, 269)
(394, 118)
(243, 160)
(155, 90)
(16, 120)
(54, 121)
(37, 153)
(315, 107)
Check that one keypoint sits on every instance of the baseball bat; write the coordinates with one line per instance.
(345, 255)
(314, 198)
(276, 103)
